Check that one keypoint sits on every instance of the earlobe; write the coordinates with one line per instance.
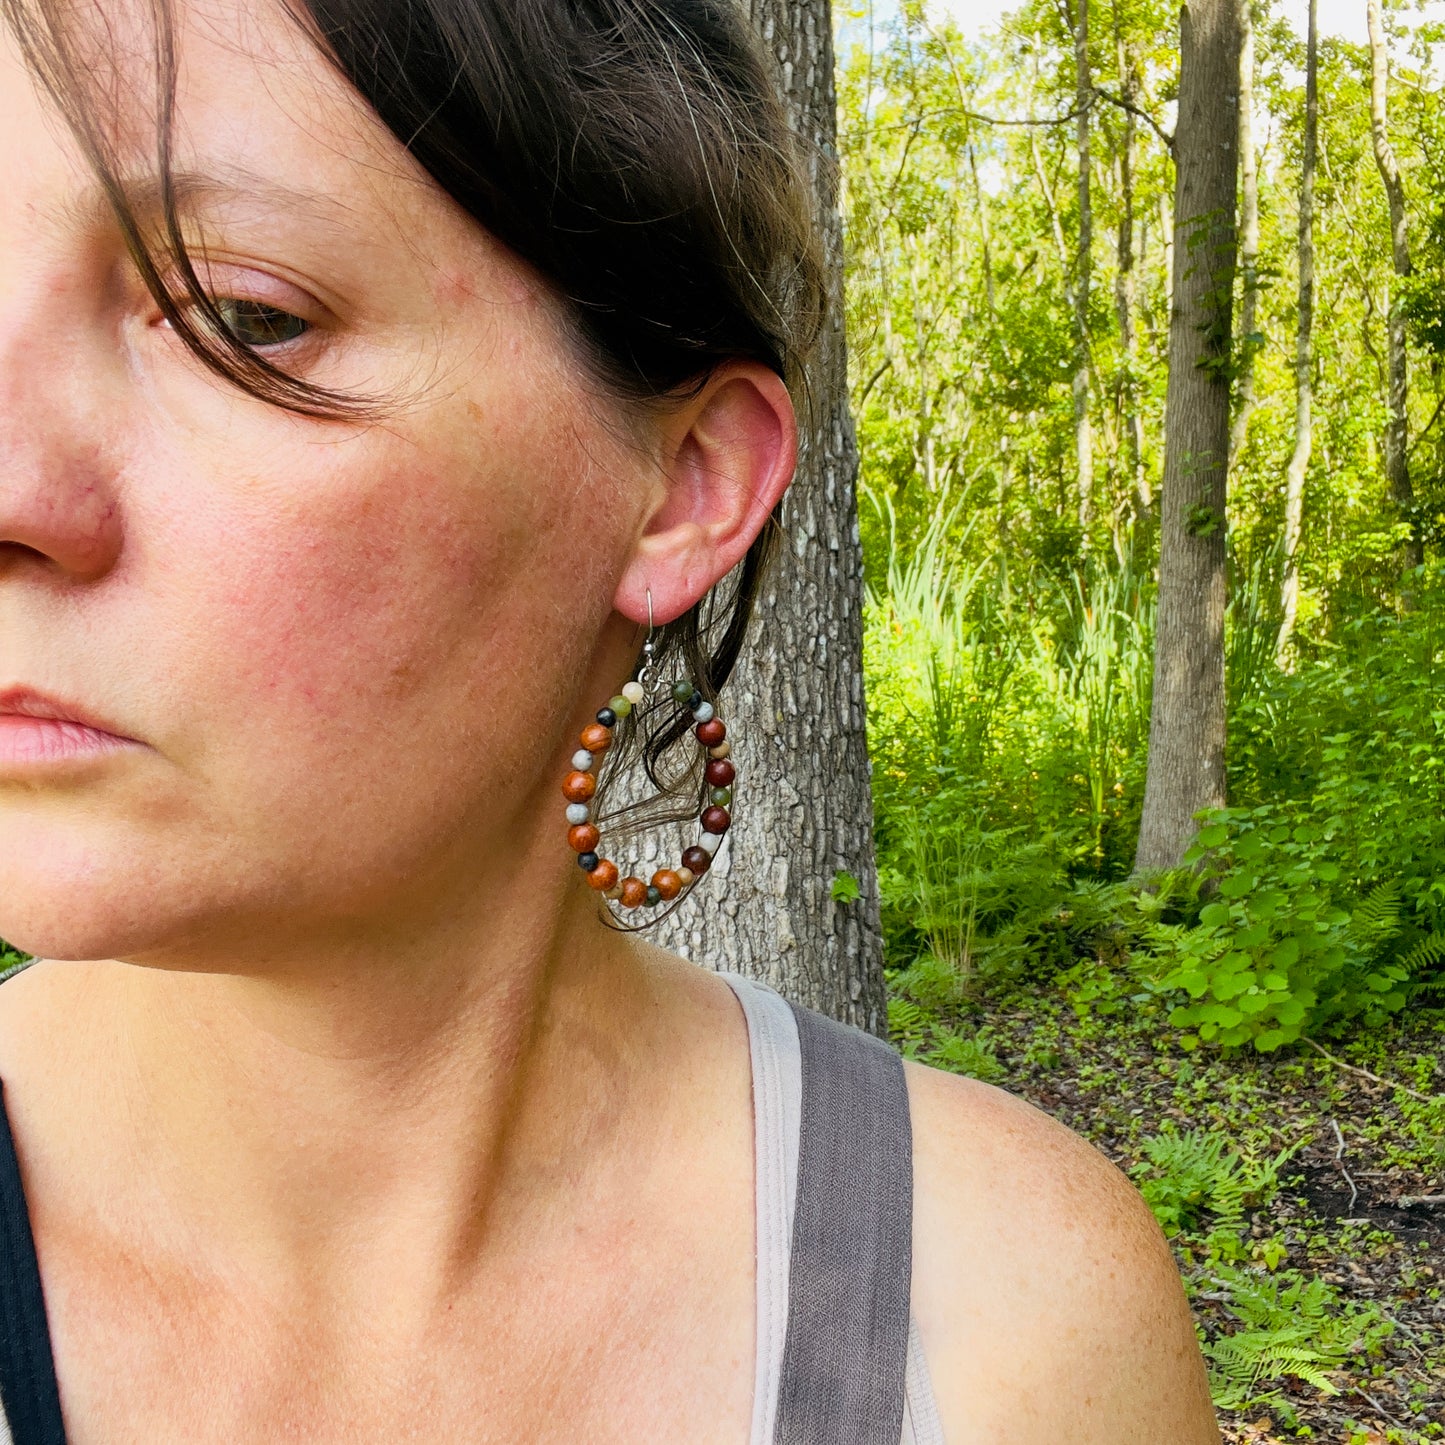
(728, 459)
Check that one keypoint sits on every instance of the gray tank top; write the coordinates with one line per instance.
(824, 1375)
(838, 1355)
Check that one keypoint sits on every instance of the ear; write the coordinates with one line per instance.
(727, 458)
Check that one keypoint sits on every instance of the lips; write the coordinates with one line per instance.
(26, 702)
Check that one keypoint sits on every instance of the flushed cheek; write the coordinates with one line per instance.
(401, 656)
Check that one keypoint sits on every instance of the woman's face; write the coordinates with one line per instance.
(351, 653)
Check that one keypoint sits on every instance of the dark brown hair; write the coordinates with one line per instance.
(634, 152)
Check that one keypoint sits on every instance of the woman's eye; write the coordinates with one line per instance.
(254, 323)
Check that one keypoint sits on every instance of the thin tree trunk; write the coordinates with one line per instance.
(1248, 238)
(796, 707)
(1083, 269)
(1397, 463)
(1294, 486)
(1187, 722)
(1126, 283)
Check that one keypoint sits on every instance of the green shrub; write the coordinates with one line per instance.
(1275, 955)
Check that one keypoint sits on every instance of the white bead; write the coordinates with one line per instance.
(710, 842)
(578, 813)
(633, 692)
(703, 712)
(582, 760)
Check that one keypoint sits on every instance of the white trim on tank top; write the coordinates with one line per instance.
(777, 1070)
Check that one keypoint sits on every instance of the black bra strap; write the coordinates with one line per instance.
(846, 1354)
(28, 1387)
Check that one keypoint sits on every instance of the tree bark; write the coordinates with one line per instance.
(1294, 486)
(1248, 238)
(1083, 269)
(1186, 726)
(795, 709)
(1397, 463)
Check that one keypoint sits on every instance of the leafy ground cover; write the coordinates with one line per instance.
(1304, 1195)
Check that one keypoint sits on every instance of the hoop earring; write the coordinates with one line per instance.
(580, 787)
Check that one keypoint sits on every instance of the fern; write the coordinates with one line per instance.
(1185, 1176)
(1290, 1327)
(1375, 919)
(1427, 956)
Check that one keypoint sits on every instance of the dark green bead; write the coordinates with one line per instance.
(720, 797)
(607, 717)
(681, 691)
(587, 861)
(653, 897)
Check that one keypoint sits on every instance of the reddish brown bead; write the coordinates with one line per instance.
(715, 820)
(710, 734)
(719, 773)
(595, 737)
(579, 787)
(584, 837)
(634, 893)
(603, 876)
(667, 883)
(697, 860)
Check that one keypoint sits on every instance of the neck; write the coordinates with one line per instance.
(418, 1107)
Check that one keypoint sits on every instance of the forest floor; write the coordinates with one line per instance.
(1334, 1263)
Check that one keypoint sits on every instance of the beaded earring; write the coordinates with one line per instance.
(580, 786)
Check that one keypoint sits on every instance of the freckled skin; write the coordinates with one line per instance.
(343, 1117)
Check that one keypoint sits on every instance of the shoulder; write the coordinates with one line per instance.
(1048, 1303)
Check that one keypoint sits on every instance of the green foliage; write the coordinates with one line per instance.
(1289, 1327)
(1273, 956)
(971, 1056)
(1186, 1176)
(1286, 1325)
(1330, 904)
(844, 888)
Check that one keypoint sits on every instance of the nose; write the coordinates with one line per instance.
(59, 497)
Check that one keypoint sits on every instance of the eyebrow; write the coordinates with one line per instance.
(192, 190)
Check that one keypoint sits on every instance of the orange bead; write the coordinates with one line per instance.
(667, 882)
(634, 893)
(584, 837)
(604, 876)
(579, 787)
(595, 737)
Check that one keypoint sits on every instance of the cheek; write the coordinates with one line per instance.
(396, 637)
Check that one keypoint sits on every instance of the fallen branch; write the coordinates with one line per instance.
(1340, 1160)
(1373, 1078)
(1407, 1201)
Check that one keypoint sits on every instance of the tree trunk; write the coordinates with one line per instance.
(1083, 271)
(1397, 464)
(1126, 286)
(1294, 486)
(1248, 238)
(795, 707)
(1186, 726)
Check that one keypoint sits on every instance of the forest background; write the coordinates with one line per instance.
(1257, 1034)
